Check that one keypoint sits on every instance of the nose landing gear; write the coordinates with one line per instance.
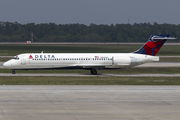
(13, 72)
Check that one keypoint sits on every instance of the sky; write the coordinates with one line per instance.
(90, 11)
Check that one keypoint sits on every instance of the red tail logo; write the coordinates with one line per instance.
(153, 45)
(151, 48)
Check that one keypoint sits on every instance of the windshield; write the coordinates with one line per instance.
(16, 57)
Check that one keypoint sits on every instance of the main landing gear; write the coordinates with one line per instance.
(13, 72)
(93, 71)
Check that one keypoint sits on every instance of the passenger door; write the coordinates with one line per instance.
(23, 61)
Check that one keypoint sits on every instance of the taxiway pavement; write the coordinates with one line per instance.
(58, 102)
(84, 75)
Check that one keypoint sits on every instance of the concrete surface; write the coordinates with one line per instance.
(86, 75)
(89, 102)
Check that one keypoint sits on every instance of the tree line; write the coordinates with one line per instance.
(51, 32)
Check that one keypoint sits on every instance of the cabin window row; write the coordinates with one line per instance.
(76, 59)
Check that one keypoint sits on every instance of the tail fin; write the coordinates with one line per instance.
(153, 45)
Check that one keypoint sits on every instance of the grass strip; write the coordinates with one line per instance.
(12, 50)
(89, 81)
(169, 59)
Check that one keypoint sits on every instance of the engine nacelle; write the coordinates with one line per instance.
(125, 61)
(121, 61)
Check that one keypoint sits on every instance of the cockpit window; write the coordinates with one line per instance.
(16, 58)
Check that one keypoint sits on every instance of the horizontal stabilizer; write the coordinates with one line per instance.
(161, 37)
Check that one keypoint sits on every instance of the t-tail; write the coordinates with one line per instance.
(153, 45)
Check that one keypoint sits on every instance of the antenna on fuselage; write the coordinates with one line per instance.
(42, 52)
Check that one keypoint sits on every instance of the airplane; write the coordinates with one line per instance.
(89, 61)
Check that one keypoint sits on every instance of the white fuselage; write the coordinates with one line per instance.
(77, 60)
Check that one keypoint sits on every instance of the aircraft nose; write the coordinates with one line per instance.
(7, 64)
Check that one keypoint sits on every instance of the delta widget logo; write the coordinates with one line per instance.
(30, 57)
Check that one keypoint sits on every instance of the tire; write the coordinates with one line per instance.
(13, 72)
(93, 71)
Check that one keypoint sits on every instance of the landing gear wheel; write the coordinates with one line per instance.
(93, 71)
(13, 72)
